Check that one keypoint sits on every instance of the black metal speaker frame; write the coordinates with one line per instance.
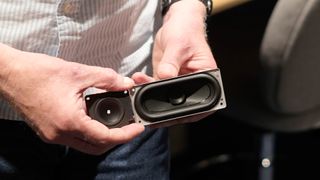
(160, 101)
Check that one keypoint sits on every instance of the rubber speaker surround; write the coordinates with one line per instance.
(178, 97)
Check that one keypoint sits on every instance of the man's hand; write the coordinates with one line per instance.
(180, 44)
(181, 47)
(48, 92)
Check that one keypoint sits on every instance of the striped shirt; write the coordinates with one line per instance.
(108, 33)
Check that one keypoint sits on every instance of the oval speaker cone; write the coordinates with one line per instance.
(178, 97)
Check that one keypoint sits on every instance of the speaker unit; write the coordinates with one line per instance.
(111, 108)
(159, 101)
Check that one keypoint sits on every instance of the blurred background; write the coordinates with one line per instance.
(223, 148)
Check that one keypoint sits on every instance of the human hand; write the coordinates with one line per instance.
(48, 92)
(180, 45)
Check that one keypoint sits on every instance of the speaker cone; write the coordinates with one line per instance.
(109, 111)
(177, 97)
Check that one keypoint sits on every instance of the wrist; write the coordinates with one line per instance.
(186, 8)
(206, 5)
(7, 59)
(189, 14)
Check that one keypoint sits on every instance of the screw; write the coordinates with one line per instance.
(266, 162)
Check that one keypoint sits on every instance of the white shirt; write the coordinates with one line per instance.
(109, 33)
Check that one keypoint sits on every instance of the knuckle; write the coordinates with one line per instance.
(111, 78)
(76, 71)
(55, 133)
(50, 137)
(64, 126)
(94, 149)
(110, 74)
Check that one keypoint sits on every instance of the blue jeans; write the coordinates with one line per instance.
(24, 156)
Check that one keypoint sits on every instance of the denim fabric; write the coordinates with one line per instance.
(24, 156)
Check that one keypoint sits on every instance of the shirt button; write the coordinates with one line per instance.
(70, 8)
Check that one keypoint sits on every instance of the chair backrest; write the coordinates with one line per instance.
(290, 57)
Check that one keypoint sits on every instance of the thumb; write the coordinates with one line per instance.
(105, 78)
(174, 56)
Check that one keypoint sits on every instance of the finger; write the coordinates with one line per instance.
(202, 60)
(83, 145)
(176, 53)
(157, 55)
(125, 133)
(140, 78)
(93, 137)
(97, 133)
(105, 78)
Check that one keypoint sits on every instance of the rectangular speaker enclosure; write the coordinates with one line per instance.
(160, 101)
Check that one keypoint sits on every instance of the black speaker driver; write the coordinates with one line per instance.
(109, 111)
(177, 97)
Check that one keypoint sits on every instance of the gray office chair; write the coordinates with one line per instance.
(284, 95)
